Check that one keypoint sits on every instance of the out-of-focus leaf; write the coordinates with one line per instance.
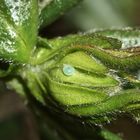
(52, 9)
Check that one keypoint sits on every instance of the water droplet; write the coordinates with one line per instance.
(68, 70)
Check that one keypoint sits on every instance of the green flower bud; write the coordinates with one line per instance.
(84, 75)
(79, 79)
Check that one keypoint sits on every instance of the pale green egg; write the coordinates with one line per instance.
(68, 70)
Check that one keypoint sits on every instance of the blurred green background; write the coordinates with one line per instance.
(91, 14)
(106, 14)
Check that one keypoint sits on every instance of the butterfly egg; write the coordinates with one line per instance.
(68, 70)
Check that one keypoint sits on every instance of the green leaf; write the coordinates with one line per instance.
(18, 29)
